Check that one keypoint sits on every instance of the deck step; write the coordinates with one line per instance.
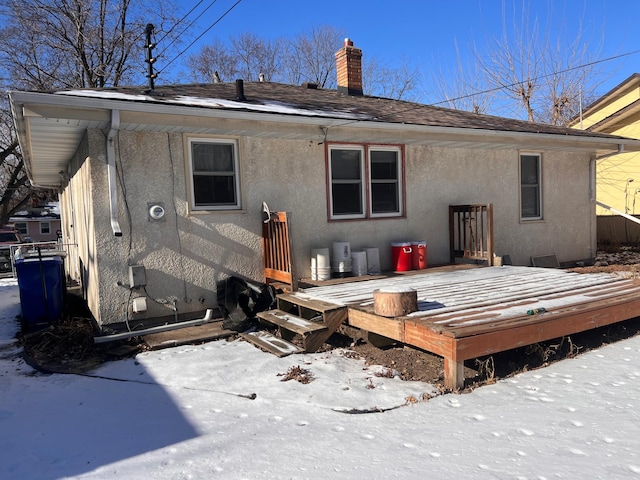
(291, 322)
(271, 343)
(313, 321)
(286, 299)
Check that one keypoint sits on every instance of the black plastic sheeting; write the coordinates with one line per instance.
(241, 300)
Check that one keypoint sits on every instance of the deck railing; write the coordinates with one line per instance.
(471, 232)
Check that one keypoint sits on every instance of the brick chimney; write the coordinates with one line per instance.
(349, 69)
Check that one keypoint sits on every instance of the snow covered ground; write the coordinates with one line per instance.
(189, 412)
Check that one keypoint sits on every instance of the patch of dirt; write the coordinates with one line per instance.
(614, 259)
(68, 346)
(415, 364)
(298, 374)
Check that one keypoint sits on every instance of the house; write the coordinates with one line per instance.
(617, 176)
(38, 224)
(162, 190)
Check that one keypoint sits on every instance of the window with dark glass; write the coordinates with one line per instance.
(385, 182)
(214, 170)
(346, 182)
(530, 188)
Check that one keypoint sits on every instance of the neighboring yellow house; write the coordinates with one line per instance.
(617, 176)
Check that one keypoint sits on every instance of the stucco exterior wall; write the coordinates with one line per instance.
(187, 253)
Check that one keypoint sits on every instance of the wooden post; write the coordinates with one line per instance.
(453, 373)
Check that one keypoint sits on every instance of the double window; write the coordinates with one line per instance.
(530, 186)
(214, 174)
(365, 182)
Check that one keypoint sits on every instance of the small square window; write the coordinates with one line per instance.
(214, 174)
(45, 228)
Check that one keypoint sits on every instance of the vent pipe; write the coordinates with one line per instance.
(240, 90)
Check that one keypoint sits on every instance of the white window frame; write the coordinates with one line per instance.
(236, 173)
(48, 228)
(538, 186)
(366, 181)
(397, 181)
(363, 188)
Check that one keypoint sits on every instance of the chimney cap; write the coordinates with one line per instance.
(348, 42)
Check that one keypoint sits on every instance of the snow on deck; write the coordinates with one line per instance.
(471, 296)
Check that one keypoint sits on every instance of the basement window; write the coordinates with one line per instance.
(214, 174)
(530, 186)
(365, 181)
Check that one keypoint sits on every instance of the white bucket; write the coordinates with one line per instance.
(373, 261)
(320, 264)
(359, 263)
(322, 257)
(342, 266)
(341, 252)
(324, 273)
(314, 268)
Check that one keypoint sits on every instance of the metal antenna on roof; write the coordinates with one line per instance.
(149, 46)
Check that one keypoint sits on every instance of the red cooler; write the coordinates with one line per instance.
(419, 255)
(401, 257)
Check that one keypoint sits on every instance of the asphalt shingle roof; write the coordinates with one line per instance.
(308, 101)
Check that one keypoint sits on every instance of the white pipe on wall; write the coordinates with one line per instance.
(111, 172)
(208, 317)
(618, 212)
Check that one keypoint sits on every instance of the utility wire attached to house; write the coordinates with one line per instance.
(186, 27)
(201, 35)
(179, 22)
(570, 69)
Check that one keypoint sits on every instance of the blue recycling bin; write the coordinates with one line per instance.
(41, 285)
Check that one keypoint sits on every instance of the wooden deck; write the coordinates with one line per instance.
(468, 313)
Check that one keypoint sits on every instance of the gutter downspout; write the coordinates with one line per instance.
(111, 172)
(618, 212)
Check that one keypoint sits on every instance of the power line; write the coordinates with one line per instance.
(590, 64)
(183, 19)
(187, 27)
(416, 106)
(200, 36)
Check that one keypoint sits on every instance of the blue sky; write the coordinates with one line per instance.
(426, 31)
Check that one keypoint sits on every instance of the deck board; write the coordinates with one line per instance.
(473, 312)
